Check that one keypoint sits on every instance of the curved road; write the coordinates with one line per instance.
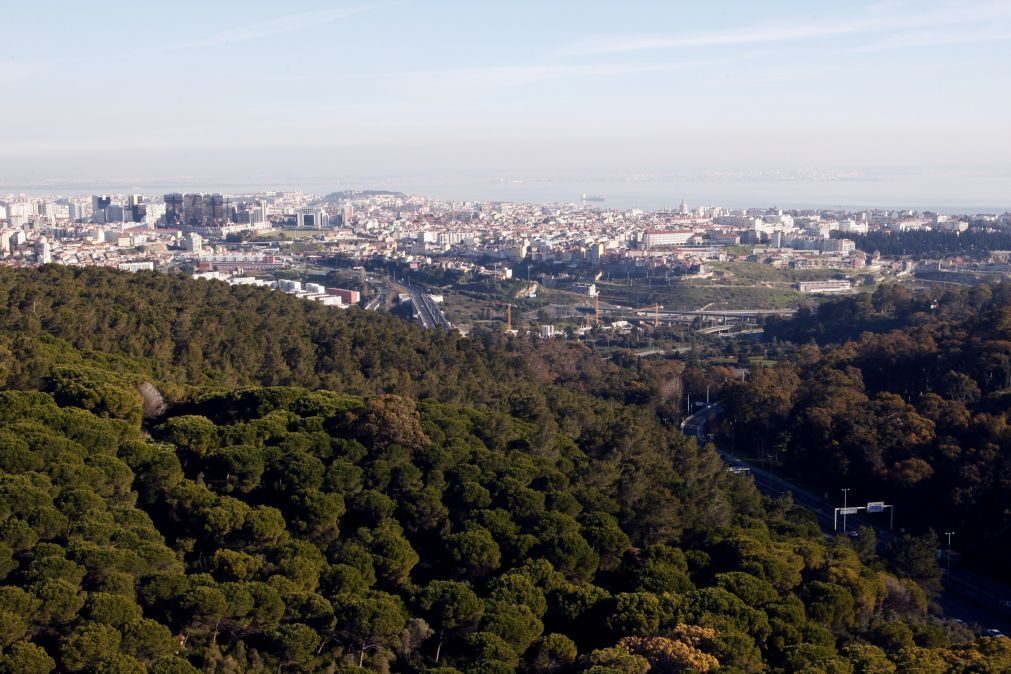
(967, 596)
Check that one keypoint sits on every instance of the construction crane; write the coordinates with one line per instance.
(655, 310)
(509, 318)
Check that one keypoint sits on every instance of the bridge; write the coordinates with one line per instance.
(714, 329)
(428, 312)
(687, 316)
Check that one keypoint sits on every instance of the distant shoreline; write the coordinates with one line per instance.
(848, 195)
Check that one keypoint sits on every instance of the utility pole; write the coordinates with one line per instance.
(949, 534)
(845, 494)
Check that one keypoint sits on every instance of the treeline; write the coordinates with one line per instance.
(890, 307)
(915, 412)
(183, 333)
(266, 530)
(974, 242)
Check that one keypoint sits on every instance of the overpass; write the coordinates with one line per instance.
(687, 316)
(428, 311)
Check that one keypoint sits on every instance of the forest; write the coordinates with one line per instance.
(975, 242)
(195, 477)
(901, 394)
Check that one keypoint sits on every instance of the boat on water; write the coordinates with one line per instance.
(591, 197)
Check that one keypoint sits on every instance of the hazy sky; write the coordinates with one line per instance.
(252, 89)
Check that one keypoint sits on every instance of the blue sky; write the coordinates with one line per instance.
(598, 88)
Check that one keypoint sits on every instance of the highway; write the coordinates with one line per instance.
(428, 312)
(967, 596)
(684, 314)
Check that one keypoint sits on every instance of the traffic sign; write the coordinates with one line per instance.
(848, 511)
(875, 506)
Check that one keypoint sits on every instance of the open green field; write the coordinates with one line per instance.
(756, 272)
(699, 293)
(284, 235)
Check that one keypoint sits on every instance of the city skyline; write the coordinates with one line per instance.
(415, 91)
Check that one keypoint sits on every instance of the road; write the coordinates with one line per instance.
(967, 596)
(428, 312)
(378, 302)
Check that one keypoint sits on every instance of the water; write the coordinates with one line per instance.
(943, 194)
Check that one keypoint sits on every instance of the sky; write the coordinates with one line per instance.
(444, 90)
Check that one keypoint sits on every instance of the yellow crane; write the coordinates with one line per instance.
(655, 310)
(509, 317)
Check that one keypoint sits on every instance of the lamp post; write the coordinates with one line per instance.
(733, 438)
(845, 494)
(949, 534)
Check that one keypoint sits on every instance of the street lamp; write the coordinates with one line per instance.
(949, 534)
(845, 494)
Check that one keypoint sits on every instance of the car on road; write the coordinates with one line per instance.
(993, 633)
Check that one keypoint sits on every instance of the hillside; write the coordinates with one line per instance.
(909, 397)
(549, 525)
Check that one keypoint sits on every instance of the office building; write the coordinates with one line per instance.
(655, 238)
(312, 218)
(115, 213)
(173, 209)
(153, 214)
(79, 211)
(99, 207)
(197, 210)
(135, 207)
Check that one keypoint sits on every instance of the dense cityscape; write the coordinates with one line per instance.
(258, 238)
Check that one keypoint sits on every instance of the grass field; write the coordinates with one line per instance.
(285, 235)
(756, 272)
(699, 293)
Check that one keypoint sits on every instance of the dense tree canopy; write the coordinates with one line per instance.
(909, 398)
(976, 242)
(367, 521)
